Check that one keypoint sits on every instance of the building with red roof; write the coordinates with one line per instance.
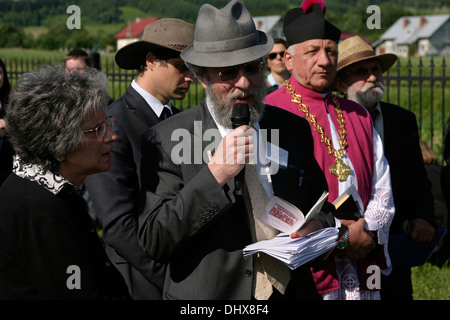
(133, 32)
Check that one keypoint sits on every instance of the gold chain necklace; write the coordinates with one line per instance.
(339, 168)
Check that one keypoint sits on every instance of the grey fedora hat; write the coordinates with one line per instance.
(226, 37)
(171, 35)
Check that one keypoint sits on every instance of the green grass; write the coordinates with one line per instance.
(431, 282)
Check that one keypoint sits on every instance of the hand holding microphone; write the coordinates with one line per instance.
(240, 116)
(234, 150)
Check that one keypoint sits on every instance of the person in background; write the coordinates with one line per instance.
(349, 152)
(77, 60)
(360, 79)
(275, 63)
(434, 171)
(49, 247)
(162, 76)
(6, 151)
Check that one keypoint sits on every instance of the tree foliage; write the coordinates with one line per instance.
(350, 16)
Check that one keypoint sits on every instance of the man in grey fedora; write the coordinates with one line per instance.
(190, 218)
(162, 76)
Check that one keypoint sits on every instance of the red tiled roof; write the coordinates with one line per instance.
(348, 35)
(134, 29)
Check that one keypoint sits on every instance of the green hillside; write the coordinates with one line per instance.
(42, 24)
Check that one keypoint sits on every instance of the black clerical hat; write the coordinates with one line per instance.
(307, 22)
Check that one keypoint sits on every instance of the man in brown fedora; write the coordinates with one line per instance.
(192, 217)
(162, 76)
(359, 77)
(345, 147)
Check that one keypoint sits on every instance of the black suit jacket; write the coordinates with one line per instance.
(410, 185)
(115, 194)
(199, 228)
(41, 235)
(6, 154)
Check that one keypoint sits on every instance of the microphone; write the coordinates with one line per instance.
(240, 115)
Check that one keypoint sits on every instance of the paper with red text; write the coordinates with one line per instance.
(286, 217)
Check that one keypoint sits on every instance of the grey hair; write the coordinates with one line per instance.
(291, 49)
(47, 110)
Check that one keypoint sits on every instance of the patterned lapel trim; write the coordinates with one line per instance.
(51, 181)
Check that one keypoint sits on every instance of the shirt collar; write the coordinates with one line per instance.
(272, 81)
(52, 181)
(154, 103)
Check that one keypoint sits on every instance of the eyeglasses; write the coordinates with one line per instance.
(100, 130)
(273, 55)
(249, 68)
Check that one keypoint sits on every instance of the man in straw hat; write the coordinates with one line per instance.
(192, 217)
(162, 77)
(346, 148)
(359, 77)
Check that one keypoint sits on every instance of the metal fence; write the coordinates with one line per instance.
(419, 85)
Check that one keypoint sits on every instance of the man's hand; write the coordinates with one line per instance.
(233, 152)
(360, 240)
(307, 228)
(421, 230)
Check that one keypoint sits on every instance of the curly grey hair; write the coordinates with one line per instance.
(47, 110)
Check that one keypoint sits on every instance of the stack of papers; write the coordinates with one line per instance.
(296, 252)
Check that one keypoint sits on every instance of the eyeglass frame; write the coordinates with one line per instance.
(273, 55)
(108, 122)
(233, 71)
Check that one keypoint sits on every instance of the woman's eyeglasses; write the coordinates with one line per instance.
(273, 55)
(100, 130)
(249, 68)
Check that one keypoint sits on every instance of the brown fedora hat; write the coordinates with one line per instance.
(226, 37)
(163, 34)
(355, 49)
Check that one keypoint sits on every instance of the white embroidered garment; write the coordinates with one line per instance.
(378, 215)
(51, 181)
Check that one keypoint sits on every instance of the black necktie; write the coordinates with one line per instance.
(166, 113)
(374, 114)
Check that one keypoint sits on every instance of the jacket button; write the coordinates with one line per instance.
(248, 273)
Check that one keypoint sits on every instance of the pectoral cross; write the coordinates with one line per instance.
(340, 170)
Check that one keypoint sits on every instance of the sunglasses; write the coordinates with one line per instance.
(273, 55)
(249, 68)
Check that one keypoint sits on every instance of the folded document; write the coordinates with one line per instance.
(296, 252)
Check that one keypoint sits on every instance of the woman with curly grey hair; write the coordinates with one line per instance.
(49, 248)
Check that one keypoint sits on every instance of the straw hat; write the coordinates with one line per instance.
(226, 37)
(355, 49)
(170, 35)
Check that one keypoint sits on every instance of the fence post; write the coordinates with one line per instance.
(409, 83)
(432, 100)
(420, 95)
(444, 119)
(398, 82)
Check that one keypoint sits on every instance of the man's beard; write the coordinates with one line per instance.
(369, 95)
(222, 108)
